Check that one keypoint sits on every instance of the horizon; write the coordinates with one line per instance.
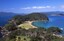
(32, 12)
(29, 6)
(37, 12)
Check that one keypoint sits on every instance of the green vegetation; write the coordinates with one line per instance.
(22, 38)
(10, 26)
(18, 19)
(54, 30)
(35, 16)
(12, 32)
(58, 39)
(36, 34)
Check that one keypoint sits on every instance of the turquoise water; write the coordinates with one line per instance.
(56, 21)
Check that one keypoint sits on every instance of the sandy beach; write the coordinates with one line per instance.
(27, 25)
(30, 23)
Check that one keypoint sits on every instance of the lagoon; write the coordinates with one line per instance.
(55, 21)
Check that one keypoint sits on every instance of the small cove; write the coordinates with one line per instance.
(54, 21)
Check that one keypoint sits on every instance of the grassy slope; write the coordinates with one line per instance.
(25, 25)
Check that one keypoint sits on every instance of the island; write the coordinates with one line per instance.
(20, 28)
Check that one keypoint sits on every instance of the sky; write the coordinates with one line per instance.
(27, 6)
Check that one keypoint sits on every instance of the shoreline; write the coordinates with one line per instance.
(30, 23)
(27, 23)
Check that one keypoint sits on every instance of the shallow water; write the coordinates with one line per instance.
(55, 21)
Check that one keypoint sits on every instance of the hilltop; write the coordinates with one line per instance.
(36, 16)
(29, 17)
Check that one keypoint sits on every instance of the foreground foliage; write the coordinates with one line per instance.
(37, 34)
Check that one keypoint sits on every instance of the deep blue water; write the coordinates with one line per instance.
(56, 21)
(4, 20)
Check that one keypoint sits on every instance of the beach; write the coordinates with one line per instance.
(27, 25)
(30, 23)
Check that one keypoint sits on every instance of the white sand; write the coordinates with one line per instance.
(30, 23)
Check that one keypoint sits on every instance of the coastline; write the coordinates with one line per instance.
(28, 25)
(30, 22)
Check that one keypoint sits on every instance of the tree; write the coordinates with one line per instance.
(37, 38)
(10, 27)
(54, 30)
(48, 37)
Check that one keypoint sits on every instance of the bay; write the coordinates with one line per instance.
(54, 21)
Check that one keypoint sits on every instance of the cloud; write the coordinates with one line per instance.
(62, 6)
(48, 6)
(39, 7)
(26, 8)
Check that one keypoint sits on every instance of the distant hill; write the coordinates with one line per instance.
(55, 13)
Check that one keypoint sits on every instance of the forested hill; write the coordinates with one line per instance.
(32, 16)
(29, 17)
(36, 16)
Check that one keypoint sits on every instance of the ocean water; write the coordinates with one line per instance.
(4, 20)
(55, 21)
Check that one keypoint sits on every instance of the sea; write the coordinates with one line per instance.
(54, 21)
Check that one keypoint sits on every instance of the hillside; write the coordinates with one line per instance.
(29, 17)
(36, 16)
